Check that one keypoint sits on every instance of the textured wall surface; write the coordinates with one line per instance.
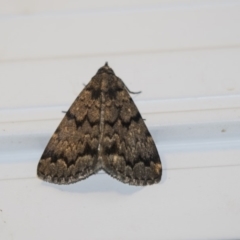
(183, 55)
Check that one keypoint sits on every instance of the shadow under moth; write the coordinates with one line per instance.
(103, 129)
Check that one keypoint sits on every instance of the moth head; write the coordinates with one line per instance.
(105, 69)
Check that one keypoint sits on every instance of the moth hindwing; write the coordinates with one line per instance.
(103, 129)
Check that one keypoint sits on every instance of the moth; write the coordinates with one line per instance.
(103, 129)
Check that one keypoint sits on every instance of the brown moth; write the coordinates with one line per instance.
(103, 129)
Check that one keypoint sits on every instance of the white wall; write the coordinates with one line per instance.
(183, 55)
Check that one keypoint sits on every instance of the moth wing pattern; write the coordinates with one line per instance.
(72, 152)
(103, 129)
(129, 152)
